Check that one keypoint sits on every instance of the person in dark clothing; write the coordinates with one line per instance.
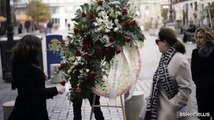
(20, 28)
(188, 34)
(49, 27)
(29, 80)
(192, 28)
(2, 29)
(27, 25)
(77, 104)
(202, 65)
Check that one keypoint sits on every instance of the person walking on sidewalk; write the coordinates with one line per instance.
(29, 80)
(49, 26)
(202, 65)
(172, 81)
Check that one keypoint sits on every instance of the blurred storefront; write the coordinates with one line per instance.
(191, 11)
(62, 11)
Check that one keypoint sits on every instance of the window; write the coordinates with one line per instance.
(55, 21)
(196, 6)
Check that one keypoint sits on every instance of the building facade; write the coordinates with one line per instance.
(191, 11)
(62, 11)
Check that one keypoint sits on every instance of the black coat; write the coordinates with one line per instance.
(203, 76)
(203, 71)
(31, 100)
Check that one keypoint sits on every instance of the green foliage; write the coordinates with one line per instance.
(38, 11)
(164, 14)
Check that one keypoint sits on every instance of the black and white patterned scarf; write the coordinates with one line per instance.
(161, 79)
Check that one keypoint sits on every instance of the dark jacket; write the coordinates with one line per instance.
(31, 100)
(203, 71)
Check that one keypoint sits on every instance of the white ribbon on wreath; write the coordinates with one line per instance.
(123, 74)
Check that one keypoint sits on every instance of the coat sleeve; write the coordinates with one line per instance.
(28, 88)
(31, 83)
(193, 66)
(185, 84)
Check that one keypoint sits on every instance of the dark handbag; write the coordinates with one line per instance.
(148, 115)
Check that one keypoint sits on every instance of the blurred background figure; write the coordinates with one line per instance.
(49, 26)
(20, 28)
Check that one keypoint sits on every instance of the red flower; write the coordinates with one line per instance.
(133, 23)
(111, 39)
(78, 53)
(86, 56)
(62, 83)
(99, 52)
(124, 11)
(62, 66)
(108, 51)
(85, 46)
(83, 14)
(128, 38)
(125, 24)
(100, 2)
(87, 42)
(92, 75)
(76, 31)
(117, 51)
(78, 90)
(85, 79)
(92, 16)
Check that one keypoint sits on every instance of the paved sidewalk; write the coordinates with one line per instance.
(60, 108)
(6, 94)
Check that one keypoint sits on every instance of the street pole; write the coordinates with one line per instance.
(7, 75)
(171, 19)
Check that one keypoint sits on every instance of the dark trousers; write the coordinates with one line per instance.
(205, 103)
(77, 104)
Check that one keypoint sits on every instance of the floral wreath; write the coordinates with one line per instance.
(101, 30)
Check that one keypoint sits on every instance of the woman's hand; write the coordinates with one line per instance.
(60, 89)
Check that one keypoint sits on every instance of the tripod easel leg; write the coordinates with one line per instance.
(92, 106)
(123, 108)
(115, 106)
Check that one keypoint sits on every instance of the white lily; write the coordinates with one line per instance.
(99, 28)
(102, 13)
(116, 29)
(107, 30)
(109, 24)
(118, 13)
(99, 22)
(99, 8)
(106, 37)
(105, 17)
(87, 70)
(75, 63)
(114, 3)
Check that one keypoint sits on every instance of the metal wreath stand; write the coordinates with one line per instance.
(112, 106)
